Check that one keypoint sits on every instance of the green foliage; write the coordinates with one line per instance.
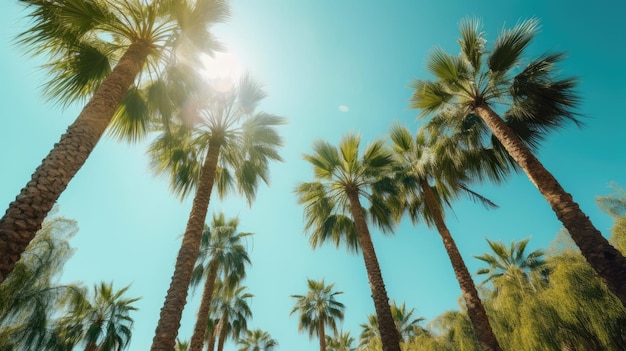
(210, 117)
(615, 205)
(36, 313)
(257, 340)
(30, 296)
(318, 308)
(340, 172)
(100, 320)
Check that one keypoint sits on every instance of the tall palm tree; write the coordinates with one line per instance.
(98, 49)
(512, 264)
(103, 323)
(428, 159)
(341, 341)
(231, 307)
(334, 211)
(318, 309)
(221, 250)
(221, 140)
(257, 340)
(478, 81)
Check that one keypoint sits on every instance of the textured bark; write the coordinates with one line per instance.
(172, 310)
(25, 214)
(322, 335)
(607, 261)
(211, 341)
(475, 309)
(197, 339)
(223, 333)
(389, 335)
(91, 346)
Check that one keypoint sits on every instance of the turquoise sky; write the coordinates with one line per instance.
(314, 56)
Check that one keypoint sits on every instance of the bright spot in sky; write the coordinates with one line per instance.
(223, 67)
(343, 108)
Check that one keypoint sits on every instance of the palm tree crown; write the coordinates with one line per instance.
(257, 340)
(103, 323)
(318, 309)
(511, 263)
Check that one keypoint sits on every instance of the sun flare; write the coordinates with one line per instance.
(223, 67)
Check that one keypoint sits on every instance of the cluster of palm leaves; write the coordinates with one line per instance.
(132, 62)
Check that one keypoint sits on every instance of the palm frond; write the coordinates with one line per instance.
(472, 42)
(510, 45)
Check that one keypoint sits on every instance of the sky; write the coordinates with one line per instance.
(329, 67)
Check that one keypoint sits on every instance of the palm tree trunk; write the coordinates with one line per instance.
(91, 346)
(171, 313)
(322, 335)
(389, 335)
(211, 341)
(475, 309)
(25, 214)
(223, 333)
(197, 339)
(607, 261)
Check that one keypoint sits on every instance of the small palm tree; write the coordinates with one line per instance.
(468, 87)
(341, 341)
(407, 327)
(318, 309)
(334, 211)
(221, 250)
(98, 49)
(221, 140)
(433, 174)
(512, 264)
(231, 307)
(257, 340)
(103, 323)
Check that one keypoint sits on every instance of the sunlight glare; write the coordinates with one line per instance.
(224, 69)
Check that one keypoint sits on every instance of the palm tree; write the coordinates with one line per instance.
(370, 331)
(221, 250)
(84, 39)
(334, 211)
(477, 81)
(512, 264)
(407, 327)
(231, 306)
(341, 341)
(257, 340)
(429, 158)
(103, 323)
(318, 309)
(228, 141)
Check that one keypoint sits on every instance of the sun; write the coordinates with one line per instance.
(222, 67)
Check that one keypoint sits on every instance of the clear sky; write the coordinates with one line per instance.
(330, 67)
